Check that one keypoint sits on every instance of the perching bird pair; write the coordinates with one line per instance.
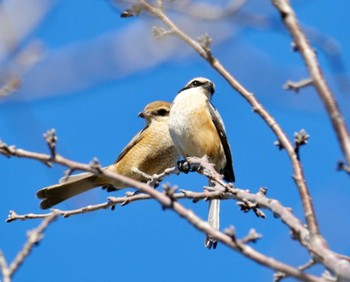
(189, 127)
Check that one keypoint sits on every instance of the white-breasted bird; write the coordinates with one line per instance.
(197, 129)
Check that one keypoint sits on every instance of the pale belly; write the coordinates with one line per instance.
(195, 135)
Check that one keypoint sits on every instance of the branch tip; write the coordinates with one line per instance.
(262, 191)
(296, 86)
(205, 41)
(231, 232)
(300, 139)
(246, 205)
(169, 191)
(278, 144)
(252, 237)
(159, 32)
(51, 140)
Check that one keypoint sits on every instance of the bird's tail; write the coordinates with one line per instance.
(76, 184)
(214, 221)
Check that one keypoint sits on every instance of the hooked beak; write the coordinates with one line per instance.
(210, 87)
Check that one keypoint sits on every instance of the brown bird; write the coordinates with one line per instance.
(150, 152)
(197, 129)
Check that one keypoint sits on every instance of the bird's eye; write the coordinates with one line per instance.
(195, 83)
(162, 112)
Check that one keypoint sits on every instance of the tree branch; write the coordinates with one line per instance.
(296, 86)
(222, 190)
(206, 54)
(308, 54)
(169, 201)
(34, 237)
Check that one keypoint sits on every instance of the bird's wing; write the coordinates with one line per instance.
(216, 118)
(131, 144)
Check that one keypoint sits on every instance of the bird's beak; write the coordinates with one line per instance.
(141, 114)
(210, 86)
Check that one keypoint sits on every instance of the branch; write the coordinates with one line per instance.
(279, 275)
(315, 244)
(284, 142)
(237, 245)
(10, 86)
(34, 237)
(308, 54)
(296, 86)
(168, 201)
(206, 54)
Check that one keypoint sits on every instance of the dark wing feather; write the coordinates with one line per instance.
(216, 118)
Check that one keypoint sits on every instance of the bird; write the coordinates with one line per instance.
(197, 129)
(150, 152)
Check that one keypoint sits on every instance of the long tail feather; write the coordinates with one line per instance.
(214, 221)
(55, 194)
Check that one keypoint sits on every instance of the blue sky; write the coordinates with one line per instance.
(96, 71)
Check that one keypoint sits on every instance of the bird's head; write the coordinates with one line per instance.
(200, 82)
(156, 110)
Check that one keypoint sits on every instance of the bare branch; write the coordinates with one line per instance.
(252, 237)
(168, 200)
(315, 244)
(4, 268)
(10, 86)
(51, 139)
(279, 275)
(300, 139)
(257, 107)
(303, 47)
(159, 32)
(34, 237)
(296, 86)
(207, 11)
(229, 240)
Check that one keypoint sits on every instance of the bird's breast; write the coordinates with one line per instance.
(193, 131)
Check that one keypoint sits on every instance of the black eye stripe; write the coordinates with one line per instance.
(195, 83)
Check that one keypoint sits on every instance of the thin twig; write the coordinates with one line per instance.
(239, 246)
(169, 201)
(318, 80)
(279, 275)
(34, 237)
(4, 268)
(316, 245)
(297, 85)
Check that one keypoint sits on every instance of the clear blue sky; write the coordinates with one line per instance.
(97, 71)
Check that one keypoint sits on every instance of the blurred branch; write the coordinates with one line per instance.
(23, 59)
(308, 54)
(34, 237)
(207, 11)
(10, 86)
